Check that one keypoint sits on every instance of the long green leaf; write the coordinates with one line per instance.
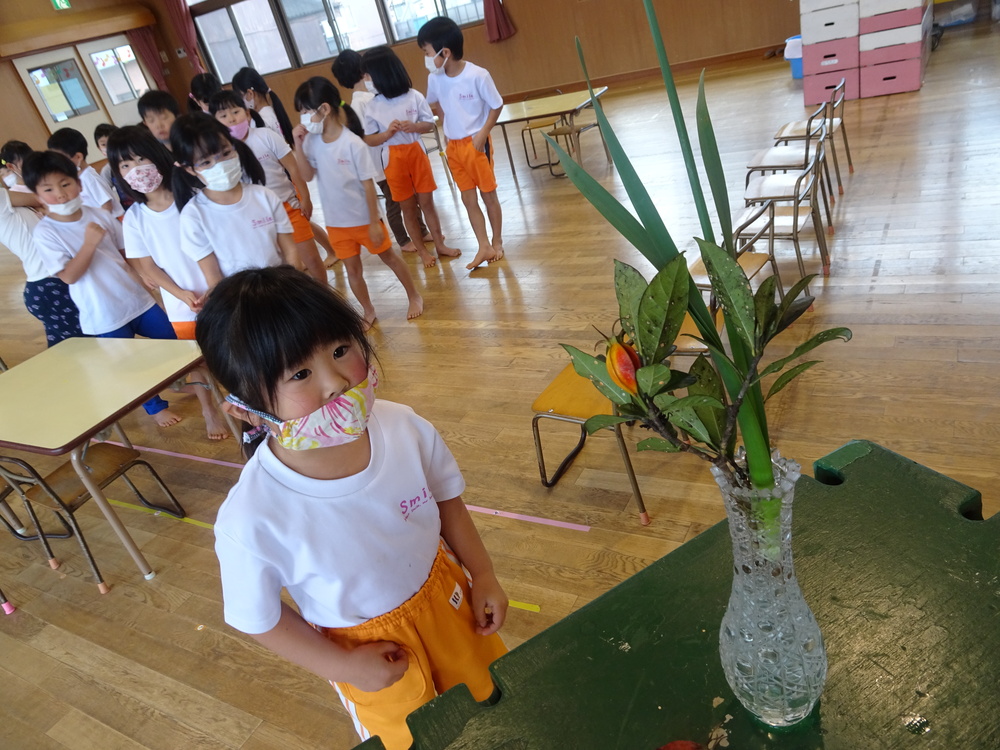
(661, 311)
(596, 371)
(830, 334)
(766, 310)
(732, 287)
(713, 169)
(600, 421)
(629, 286)
(657, 444)
(786, 377)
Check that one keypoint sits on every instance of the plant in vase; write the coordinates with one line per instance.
(770, 645)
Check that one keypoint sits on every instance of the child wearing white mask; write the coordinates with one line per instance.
(226, 224)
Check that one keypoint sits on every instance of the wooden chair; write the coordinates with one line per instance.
(572, 398)
(528, 134)
(64, 493)
(8, 608)
(798, 130)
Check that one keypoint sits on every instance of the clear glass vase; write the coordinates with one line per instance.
(770, 645)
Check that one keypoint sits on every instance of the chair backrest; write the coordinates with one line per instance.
(835, 107)
(20, 474)
(744, 241)
(815, 128)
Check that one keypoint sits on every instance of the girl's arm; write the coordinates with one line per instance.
(212, 271)
(479, 139)
(489, 602)
(79, 263)
(375, 231)
(149, 270)
(306, 170)
(289, 253)
(24, 200)
(370, 667)
(290, 163)
(377, 139)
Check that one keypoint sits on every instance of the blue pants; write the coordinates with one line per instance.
(152, 324)
(49, 301)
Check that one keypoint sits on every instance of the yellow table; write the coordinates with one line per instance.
(58, 400)
(566, 106)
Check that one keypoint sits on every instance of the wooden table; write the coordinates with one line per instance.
(904, 582)
(559, 105)
(55, 402)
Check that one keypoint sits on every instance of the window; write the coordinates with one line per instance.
(63, 89)
(271, 35)
(120, 73)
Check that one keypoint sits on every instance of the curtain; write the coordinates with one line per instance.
(180, 18)
(498, 23)
(144, 44)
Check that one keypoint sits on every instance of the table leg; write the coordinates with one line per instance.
(76, 455)
(510, 157)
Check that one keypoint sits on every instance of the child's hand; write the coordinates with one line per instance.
(375, 232)
(375, 666)
(191, 299)
(93, 234)
(489, 604)
(306, 206)
(394, 127)
(299, 134)
(479, 142)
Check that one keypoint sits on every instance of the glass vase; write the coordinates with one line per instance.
(770, 645)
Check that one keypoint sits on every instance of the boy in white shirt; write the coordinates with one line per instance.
(97, 192)
(82, 246)
(464, 96)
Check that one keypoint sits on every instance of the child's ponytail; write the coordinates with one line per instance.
(318, 90)
(247, 79)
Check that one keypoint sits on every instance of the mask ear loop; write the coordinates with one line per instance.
(254, 432)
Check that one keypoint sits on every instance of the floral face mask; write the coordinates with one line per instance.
(342, 420)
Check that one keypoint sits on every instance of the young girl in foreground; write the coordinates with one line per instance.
(226, 225)
(143, 167)
(351, 504)
(341, 161)
(396, 117)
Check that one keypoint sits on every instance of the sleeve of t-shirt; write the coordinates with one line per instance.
(424, 113)
(251, 589)
(194, 241)
(371, 126)
(135, 240)
(444, 478)
(432, 92)
(282, 224)
(488, 91)
(308, 148)
(53, 252)
(275, 144)
(98, 188)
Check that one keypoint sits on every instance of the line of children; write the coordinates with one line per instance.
(281, 175)
(82, 246)
(350, 503)
(250, 86)
(226, 224)
(348, 69)
(396, 117)
(468, 103)
(328, 145)
(97, 192)
(151, 228)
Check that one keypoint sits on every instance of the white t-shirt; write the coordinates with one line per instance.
(155, 234)
(341, 168)
(381, 111)
(465, 99)
(97, 191)
(270, 120)
(359, 103)
(269, 150)
(16, 226)
(107, 293)
(243, 235)
(347, 550)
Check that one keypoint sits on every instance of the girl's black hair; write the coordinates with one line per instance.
(229, 98)
(13, 151)
(348, 68)
(248, 78)
(198, 134)
(40, 164)
(203, 87)
(131, 141)
(318, 90)
(387, 72)
(260, 323)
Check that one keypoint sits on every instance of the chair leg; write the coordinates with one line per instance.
(10, 518)
(101, 585)
(826, 204)
(8, 608)
(640, 505)
(546, 482)
(836, 165)
(847, 148)
(177, 511)
(41, 536)
(821, 240)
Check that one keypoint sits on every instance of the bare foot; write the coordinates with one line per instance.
(331, 261)
(416, 308)
(215, 425)
(428, 259)
(485, 255)
(409, 247)
(428, 237)
(497, 252)
(447, 252)
(165, 418)
(370, 318)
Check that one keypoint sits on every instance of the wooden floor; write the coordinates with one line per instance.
(916, 275)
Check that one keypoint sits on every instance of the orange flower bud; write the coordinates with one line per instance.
(622, 362)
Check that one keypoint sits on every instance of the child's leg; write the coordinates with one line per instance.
(394, 215)
(495, 214)
(356, 280)
(485, 252)
(215, 423)
(402, 272)
(411, 220)
(49, 301)
(319, 234)
(309, 260)
(426, 201)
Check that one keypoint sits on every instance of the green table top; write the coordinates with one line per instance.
(900, 573)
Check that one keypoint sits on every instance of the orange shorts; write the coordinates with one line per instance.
(184, 330)
(301, 230)
(347, 241)
(471, 169)
(409, 171)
